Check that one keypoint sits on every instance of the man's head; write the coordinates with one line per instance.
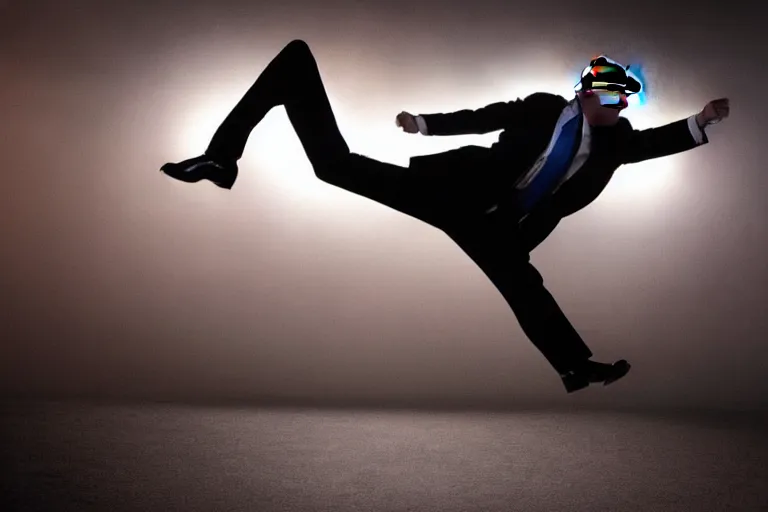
(603, 91)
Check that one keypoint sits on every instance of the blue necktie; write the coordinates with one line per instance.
(553, 170)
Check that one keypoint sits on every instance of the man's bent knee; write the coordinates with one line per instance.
(298, 46)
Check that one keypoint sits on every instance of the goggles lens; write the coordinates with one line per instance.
(611, 97)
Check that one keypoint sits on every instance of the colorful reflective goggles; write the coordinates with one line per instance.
(611, 98)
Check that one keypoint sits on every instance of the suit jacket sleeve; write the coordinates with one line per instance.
(493, 117)
(470, 122)
(657, 142)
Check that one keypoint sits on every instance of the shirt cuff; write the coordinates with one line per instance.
(696, 132)
(422, 124)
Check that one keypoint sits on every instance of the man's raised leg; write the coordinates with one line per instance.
(292, 79)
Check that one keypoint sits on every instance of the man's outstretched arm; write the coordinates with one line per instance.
(493, 117)
(675, 137)
(471, 122)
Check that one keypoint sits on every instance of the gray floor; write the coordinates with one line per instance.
(82, 458)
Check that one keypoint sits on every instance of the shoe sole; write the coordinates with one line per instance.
(227, 186)
(572, 385)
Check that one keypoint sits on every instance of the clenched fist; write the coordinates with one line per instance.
(407, 122)
(713, 112)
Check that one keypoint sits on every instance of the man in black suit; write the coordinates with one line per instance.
(552, 158)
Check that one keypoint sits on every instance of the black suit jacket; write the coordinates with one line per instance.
(527, 126)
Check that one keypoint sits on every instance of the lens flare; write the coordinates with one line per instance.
(640, 98)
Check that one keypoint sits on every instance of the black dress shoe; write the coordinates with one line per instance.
(203, 167)
(590, 372)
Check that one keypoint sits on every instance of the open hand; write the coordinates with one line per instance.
(713, 112)
(407, 122)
